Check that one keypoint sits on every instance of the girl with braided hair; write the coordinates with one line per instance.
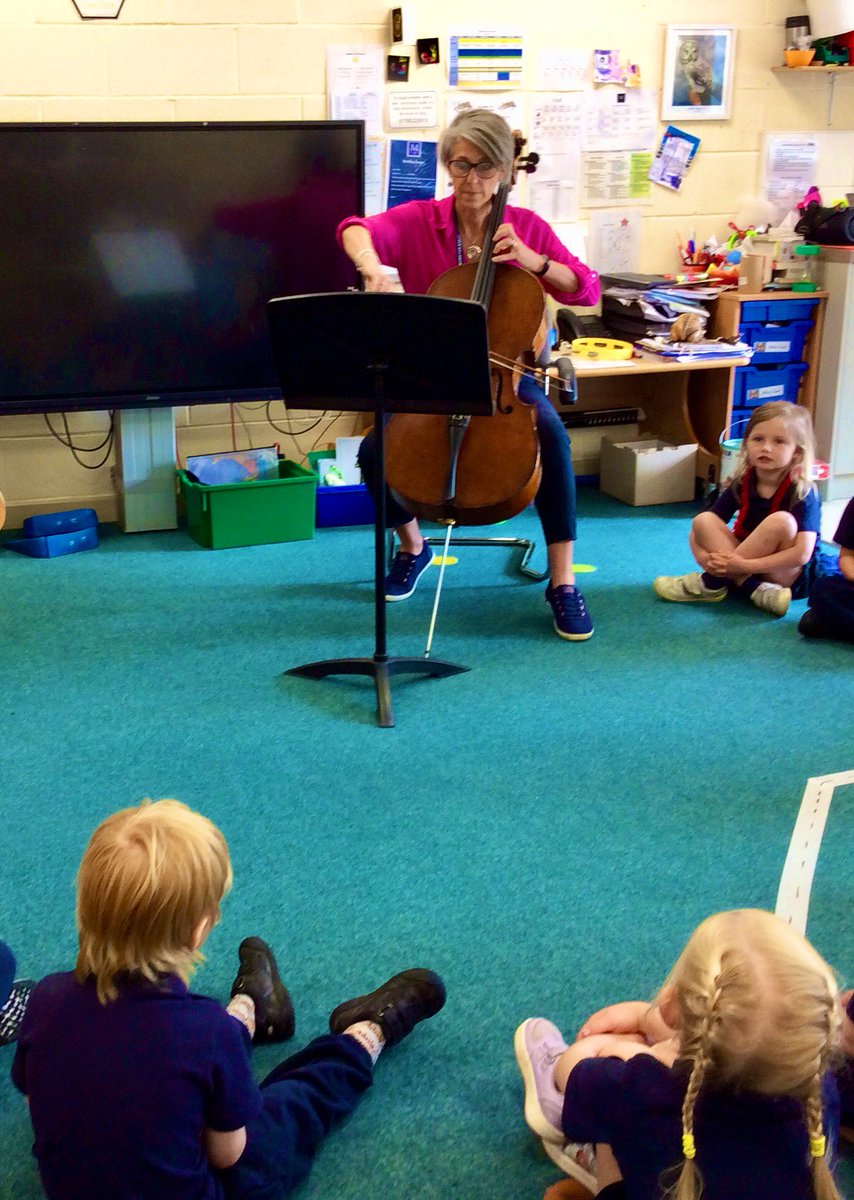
(724, 1085)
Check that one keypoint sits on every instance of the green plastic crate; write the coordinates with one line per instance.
(254, 513)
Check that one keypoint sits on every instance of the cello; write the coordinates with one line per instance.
(462, 470)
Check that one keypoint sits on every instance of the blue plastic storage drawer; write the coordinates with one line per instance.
(776, 342)
(777, 310)
(758, 385)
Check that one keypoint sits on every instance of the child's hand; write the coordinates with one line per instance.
(726, 565)
(626, 1017)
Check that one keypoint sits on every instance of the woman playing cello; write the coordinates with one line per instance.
(422, 239)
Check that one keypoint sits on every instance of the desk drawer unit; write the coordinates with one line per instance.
(777, 330)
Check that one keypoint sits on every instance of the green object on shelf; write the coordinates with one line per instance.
(806, 251)
(253, 512)
(804, 285)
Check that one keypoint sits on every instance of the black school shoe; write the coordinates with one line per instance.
(258, 977)
(397, 1006)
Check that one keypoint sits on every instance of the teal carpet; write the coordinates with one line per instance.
(545, 830)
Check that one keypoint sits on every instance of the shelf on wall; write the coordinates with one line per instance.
(831, 70)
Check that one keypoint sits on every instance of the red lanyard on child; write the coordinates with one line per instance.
(776, 501)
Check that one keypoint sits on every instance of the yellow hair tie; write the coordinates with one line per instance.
(818, 1145)
(689, 1150)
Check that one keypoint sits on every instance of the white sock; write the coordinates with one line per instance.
(369, 1036)
(242, 1007)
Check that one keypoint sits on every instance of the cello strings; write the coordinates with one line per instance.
(499, 360)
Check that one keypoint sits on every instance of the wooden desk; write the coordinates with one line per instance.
(682, 402)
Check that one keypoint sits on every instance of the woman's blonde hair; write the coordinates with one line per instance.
(148, 879)
(759, 1011)
(799, 425)
(484, 129)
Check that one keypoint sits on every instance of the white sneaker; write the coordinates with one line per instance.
(772, 598)
(684, 588)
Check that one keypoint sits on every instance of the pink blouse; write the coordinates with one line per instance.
(420, 239)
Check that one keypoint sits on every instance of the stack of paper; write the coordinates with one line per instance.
(691, 351)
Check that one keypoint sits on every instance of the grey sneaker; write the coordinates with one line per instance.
(576, 1159)
(687, 588)
(772, 598)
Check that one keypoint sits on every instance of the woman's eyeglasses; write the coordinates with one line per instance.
(460, 167)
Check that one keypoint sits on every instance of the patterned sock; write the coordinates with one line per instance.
(369, 1036)
(12, 1012)
(242, 1007)
(713, 582)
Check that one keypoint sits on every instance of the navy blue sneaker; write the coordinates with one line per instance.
(572, 620)
(405, 571)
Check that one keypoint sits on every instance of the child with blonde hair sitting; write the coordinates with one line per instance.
(777, 519)
(139, 1090)
(723, 1085)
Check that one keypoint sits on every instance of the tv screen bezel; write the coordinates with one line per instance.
(109, 401)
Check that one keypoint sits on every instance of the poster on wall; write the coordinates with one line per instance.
(789, 170)
(699, 62)
(355, 85)
(411, 171)
(508, 105)
(673, 157)
(615, 240)
(413, 110)
(485, 58)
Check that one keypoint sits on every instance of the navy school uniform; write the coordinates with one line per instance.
(832, 596)
(748, 1145)
(120, 1094)
(807, 514)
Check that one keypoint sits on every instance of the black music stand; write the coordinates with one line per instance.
(384, 353)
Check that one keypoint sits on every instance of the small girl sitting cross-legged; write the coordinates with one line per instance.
(739, 1100)
(777, 524)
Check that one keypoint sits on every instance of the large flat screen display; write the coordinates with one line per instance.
(136, 260)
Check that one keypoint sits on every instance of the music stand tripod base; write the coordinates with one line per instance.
(382, 671)
(386, 353)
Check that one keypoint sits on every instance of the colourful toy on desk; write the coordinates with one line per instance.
(813, 196)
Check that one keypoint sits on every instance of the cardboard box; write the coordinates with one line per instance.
(647, 471)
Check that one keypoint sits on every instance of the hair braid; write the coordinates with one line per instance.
(822, 1179)
(689, 1183)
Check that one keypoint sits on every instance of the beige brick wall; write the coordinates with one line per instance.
(265, 59)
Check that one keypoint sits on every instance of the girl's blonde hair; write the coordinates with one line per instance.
(148, 879)
(799, 425)
(759, 1010)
